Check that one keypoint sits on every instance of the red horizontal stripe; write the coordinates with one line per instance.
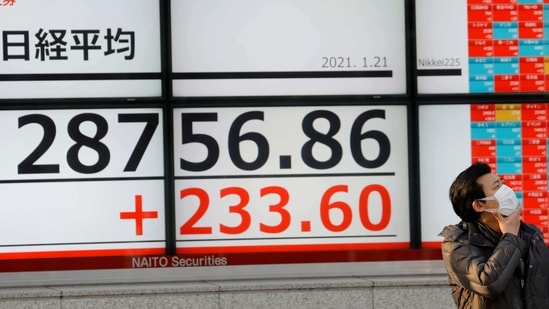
(431, 244)
(126, 261)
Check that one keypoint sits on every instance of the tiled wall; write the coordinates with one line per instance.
(408, 291)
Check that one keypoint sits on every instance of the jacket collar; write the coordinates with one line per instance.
(482, 235)
(475, 233)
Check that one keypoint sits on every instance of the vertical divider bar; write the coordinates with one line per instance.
(413, 127)
(165, 28)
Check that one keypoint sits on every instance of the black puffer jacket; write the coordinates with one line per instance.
(488, 270)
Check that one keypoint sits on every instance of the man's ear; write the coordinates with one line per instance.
(477, 206)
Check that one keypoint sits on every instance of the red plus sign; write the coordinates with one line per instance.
(138, 215)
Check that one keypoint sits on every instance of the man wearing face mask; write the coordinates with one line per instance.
(493, 259)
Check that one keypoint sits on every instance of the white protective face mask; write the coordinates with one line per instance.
(507, 200)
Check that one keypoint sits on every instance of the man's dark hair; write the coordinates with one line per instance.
(465, 190)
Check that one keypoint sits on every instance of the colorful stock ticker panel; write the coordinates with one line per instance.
(508, 47)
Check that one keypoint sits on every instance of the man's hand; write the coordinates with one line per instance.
(511, 223)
